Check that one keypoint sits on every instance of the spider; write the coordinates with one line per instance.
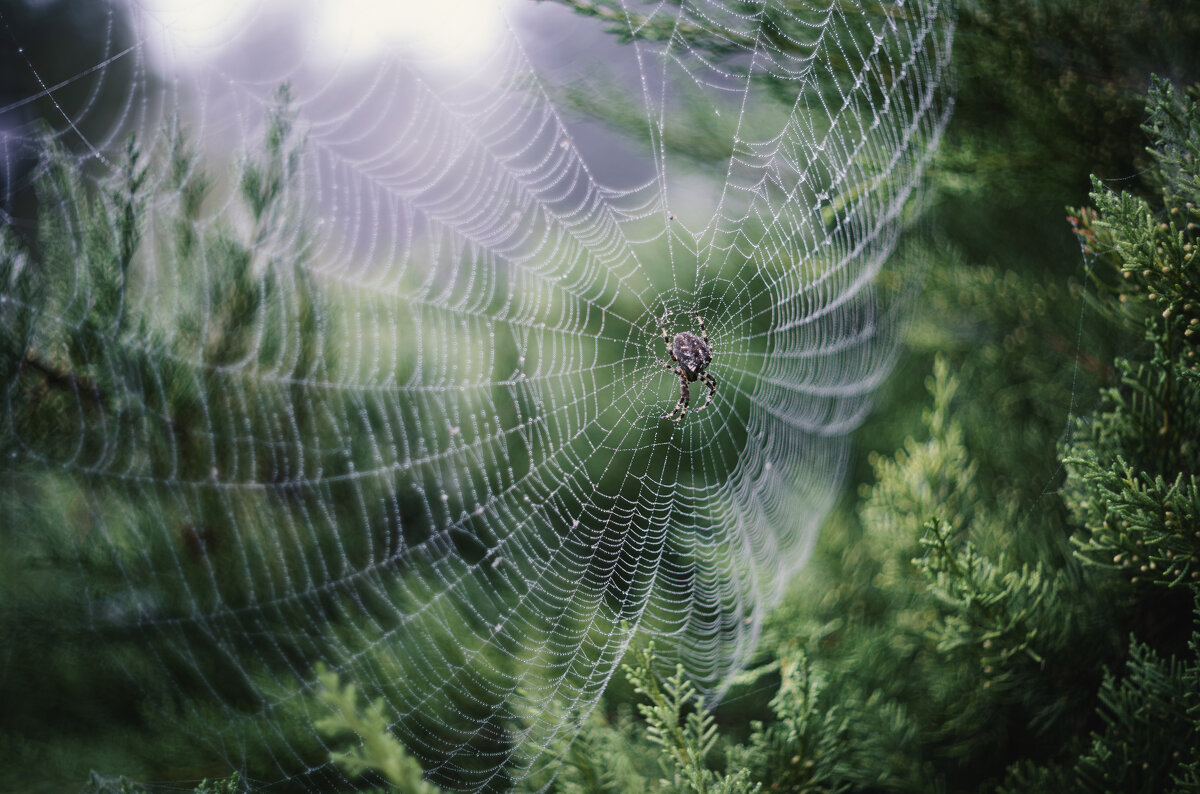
(693, 355)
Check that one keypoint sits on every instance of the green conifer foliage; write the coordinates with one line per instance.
(379, 753)
(962, 636)
(1133, 472)
(115, 389)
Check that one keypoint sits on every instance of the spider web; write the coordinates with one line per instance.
(431, 453)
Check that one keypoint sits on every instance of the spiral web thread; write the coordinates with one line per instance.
(436, 459)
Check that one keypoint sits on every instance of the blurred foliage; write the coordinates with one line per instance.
(1050, 92)
(113, 587)
(379, 753)
(54, 44)
(99, 784)
(77, 359)
(669, 750)
(678, 723)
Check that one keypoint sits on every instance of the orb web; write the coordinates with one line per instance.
(382, 391)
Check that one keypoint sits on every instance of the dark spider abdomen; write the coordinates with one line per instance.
(693, 354)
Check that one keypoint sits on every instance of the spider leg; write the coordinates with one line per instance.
(684, 398)
(662, 327)
(712, 390)
(699, 319)
(650, 347)
(667, 364)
